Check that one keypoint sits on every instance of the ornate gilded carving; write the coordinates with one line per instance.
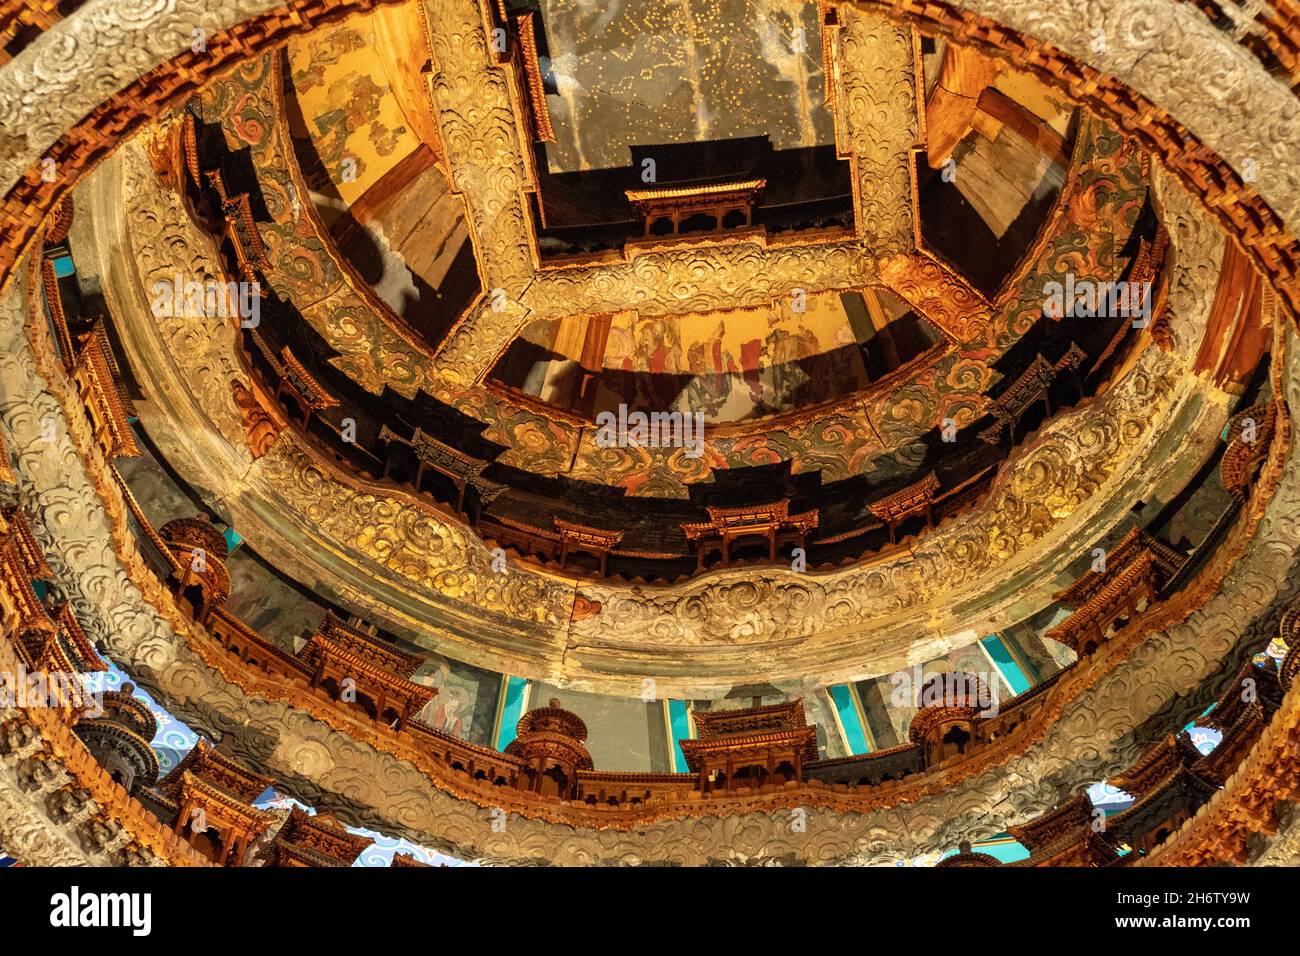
(854, 436)
(410, 542)
(828, 834)
(1249, 587)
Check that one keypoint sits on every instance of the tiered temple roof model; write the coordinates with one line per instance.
(121, 738)
(1134, 574)
(675, 210)
(209, 796)
(772, 522)
(338, 655)
(320, 840)
(746, 748)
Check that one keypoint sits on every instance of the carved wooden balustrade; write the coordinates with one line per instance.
(1174, 786)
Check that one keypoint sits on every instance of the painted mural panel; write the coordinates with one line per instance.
(729, 365)
(626, 733)
(636, 72)
(280, 613)
(466, 702)
(348, 107)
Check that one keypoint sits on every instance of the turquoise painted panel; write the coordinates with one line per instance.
(512, 710)
(679, 719)
(1005, 850)
(854, 733)
(1006, 664)
(233, 540)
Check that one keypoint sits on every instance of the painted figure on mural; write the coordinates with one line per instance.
(452, 709)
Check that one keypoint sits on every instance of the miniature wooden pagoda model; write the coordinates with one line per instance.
(750, 747)
(209, 797)
(1134, 574)
(772, 522)
(672, 210)
(347, 661)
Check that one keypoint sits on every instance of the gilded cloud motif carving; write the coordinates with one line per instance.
(857, 436)
(1037, 493)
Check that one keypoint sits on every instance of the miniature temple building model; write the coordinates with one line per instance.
(200, 552)
(915, 499)
(1169, 784)
(1068, 835)
(240, 230)
(462, 469)
(966, 857)
(100, 388)
(120, 739)
(750, 747)
(302, 387)
(21, 562)
(208, 796)
(320, 840)
(1136, 571)
(725, 526)
(949, 726)
(550, 742)
(1245, 709)
(1032, 386)
(1250, 436)
(344, 660)
(674, 210)
(46, 638)
(576, 537)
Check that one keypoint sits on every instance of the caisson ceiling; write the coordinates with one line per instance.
(620, 418)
